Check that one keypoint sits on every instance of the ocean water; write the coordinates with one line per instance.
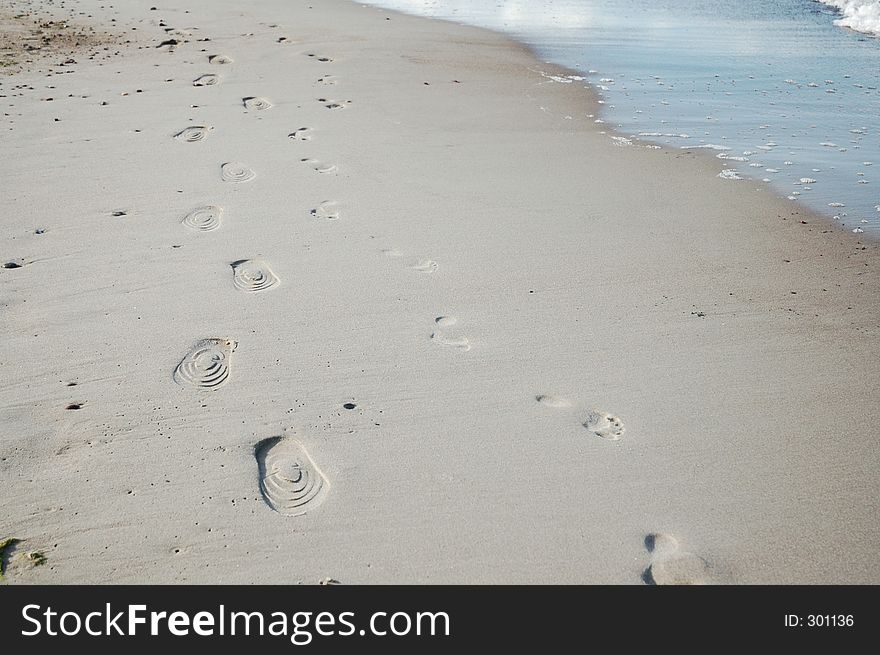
(786, 91)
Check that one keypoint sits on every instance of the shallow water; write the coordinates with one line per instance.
(786, 93)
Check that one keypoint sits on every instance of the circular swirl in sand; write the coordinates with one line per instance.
(206, 365)
(290, 481)
(220, 59)
(209, 79)
(194, 133)
(253, 275)
(236, 172)
(256, 104)
(204, 219)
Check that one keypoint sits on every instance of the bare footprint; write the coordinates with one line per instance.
(670, 565)
(443, 339)
(320, 166)
(253, 275)
(334, 104)
(194, 133)
(604, 425)
(204, 219)
(553, 401)
(302, 134)
(322, 59)
(206, 365)
(417, 264)
(328, 80)
(236, 172)
(424, 266)
(220, 59)
(327, 210)
(256, 103)
(209, 79)
(290, 481)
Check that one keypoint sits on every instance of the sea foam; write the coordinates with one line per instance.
(859, 15)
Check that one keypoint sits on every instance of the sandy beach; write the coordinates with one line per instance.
(322, 291)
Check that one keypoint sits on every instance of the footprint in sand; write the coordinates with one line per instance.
(209, 79)
(206, 365)
(328, 80)
(220, 59)
(302, 134)
(418, 264)
(254, 103)
(320, 166)
(599, 423)
(334, 104)
(194, 133)
(604, 425)
(670, 565)
(553, 401)
(236, 172)
(291, 483)
(440, 337)
(204, 219)
(327, 210)
(424, 265)
(325, 60)
(253, 275)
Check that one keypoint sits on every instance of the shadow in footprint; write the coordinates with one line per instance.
(671, 565)
(290, 481)
(439, 336)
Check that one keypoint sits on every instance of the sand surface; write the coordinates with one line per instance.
(407, 315)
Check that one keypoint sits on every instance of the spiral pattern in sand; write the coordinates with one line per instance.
(206, 365)
(253, 275)
(235, 172)
(290, 481)
(220, 59)
(194, 133)
(209, 79)
(204, 219)
(256, 104)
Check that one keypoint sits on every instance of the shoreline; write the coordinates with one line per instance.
(490, 285)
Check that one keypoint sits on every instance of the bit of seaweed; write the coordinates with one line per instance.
(5, 545)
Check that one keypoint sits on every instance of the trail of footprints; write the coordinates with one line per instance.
(290, 481)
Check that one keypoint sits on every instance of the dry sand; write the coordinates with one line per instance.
(448, 331)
